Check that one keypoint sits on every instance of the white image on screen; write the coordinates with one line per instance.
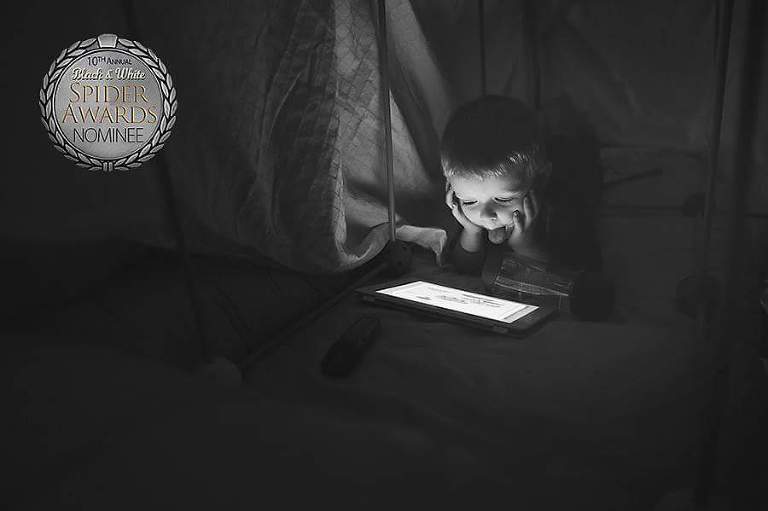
(461, 301)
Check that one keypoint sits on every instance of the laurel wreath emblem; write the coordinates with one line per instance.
(136, 159)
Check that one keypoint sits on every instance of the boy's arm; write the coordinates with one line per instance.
(468, 253)
(529, 234)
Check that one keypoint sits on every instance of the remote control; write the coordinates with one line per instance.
(344, 355)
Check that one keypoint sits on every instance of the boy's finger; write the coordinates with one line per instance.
(517, 221)
(462, 218)
(528, 210)
(534, 202)
(458, 214)
(449, 199)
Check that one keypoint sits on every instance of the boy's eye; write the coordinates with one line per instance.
(468, 202)
(504, 199)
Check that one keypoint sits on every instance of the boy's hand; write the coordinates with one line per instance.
(525, 234)
(453, 204)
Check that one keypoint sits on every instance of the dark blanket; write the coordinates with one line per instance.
(578, 415)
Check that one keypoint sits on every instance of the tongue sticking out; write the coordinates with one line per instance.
(500, 235)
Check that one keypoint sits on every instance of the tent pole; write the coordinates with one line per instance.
(730, 324)
(721, 62)
(481, 34)
(714, 336)
(384, 77)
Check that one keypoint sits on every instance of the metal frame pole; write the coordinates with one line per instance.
(481, 35)
(384, 90)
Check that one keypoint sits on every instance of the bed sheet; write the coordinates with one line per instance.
(577, 414)
(429, 421)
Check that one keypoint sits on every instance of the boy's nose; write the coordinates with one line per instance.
(488, 212)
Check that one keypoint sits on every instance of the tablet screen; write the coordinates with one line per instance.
(460, 301)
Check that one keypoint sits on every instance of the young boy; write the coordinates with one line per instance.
(495, 170)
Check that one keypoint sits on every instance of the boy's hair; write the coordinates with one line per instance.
(494, 136)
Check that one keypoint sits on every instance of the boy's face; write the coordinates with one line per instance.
(491, 201)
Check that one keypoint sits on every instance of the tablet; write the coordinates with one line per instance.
(474, 309)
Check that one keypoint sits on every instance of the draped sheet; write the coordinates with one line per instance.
(279, 144)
